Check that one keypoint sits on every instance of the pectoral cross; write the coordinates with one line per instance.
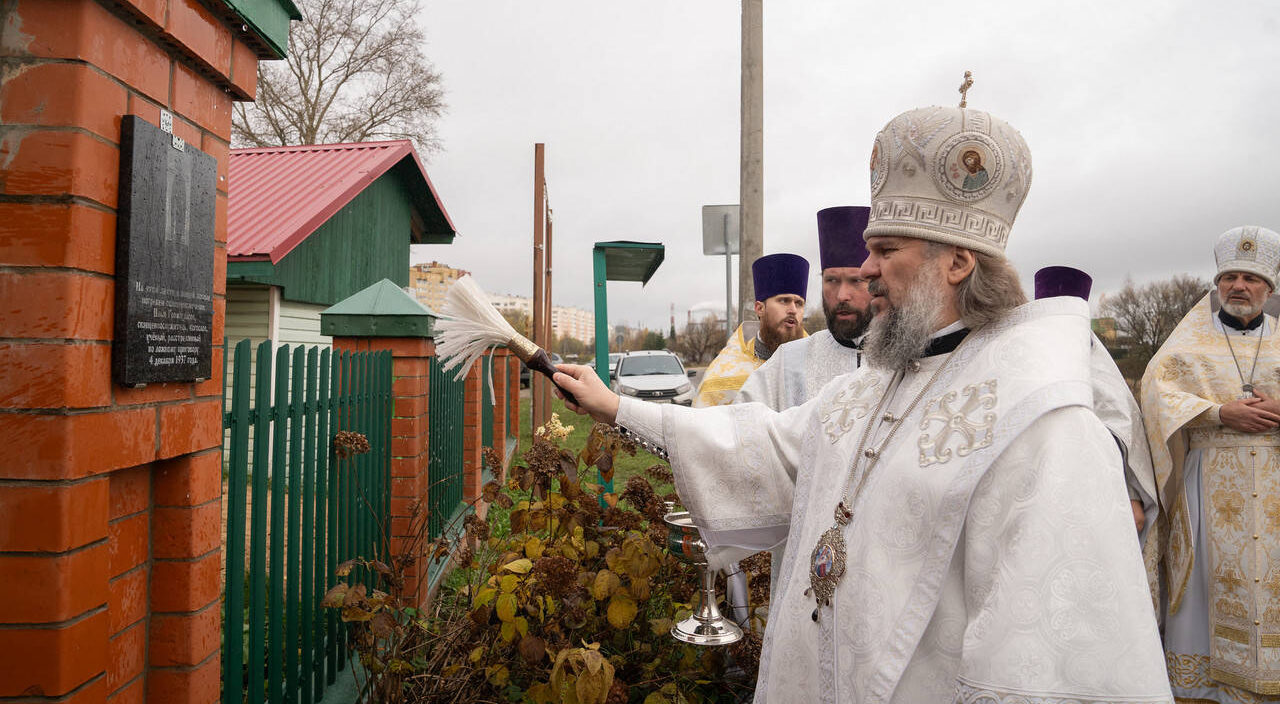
(964, 88)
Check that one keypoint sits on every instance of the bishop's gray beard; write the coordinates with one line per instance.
(1241, 311)
(900, 335)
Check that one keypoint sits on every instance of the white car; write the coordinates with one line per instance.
(653, 375)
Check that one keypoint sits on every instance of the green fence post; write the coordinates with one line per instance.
(310, 603)
(279, 443)
(294, 488)
(233, 618)
(258, 524)
(324, 574)
(336, 485)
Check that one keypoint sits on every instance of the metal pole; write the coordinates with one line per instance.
(602, 315)
(537, 412)
(751, 185)
(548, 334)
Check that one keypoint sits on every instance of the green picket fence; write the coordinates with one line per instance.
(444, 456)
(486, 405)
(301, 510)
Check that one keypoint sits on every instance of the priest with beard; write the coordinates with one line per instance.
(956, 521)
(781, 281)
(800, 368)
(1209, 397)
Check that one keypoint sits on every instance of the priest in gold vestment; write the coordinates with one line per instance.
(1208, 399)
(781, 281)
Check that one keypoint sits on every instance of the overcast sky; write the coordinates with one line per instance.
(1152, 128)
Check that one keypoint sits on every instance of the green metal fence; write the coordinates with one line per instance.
(486, 410)
(301, 510)
(444, 453)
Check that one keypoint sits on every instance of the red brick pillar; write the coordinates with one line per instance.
(501, 388)
(472, 440)
(384, 317)
(513, 408)
(109, 496)
(410, 367)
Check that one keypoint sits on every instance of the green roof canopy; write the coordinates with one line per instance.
(630, 261)
(618, 261)
(380, 310)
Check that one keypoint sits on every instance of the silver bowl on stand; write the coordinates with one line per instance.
(707, 626)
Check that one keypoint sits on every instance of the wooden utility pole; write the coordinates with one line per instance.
(751, 185)
(538, 411)
(548, 334)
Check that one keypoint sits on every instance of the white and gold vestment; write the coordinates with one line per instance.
(1221, 492)
(990, 554)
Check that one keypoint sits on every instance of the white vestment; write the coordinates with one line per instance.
(1219, 487)
(1116, 407)
(987, 556)
(798, 370)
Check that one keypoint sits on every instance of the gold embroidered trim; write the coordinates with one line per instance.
(1232, 634)
(1270, 640)
(1216, 437)
(1179, 536)
(1268, 687)
(1187, 671)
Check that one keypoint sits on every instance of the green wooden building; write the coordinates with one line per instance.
(309, 226)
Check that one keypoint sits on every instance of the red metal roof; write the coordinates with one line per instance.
(278, 196)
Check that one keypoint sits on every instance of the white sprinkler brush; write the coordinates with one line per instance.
(471, 326)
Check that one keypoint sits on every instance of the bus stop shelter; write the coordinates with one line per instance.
(618, 261)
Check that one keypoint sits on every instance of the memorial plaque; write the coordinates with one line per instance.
(164, 258)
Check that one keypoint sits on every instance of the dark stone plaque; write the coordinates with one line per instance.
(164, 258)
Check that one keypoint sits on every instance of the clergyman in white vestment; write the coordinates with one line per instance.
(1209, 398)
(798, 369)
(957, 523)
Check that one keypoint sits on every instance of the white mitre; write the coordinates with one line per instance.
(950, 175)
(1251, 249)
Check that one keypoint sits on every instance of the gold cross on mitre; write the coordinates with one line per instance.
(964, 88)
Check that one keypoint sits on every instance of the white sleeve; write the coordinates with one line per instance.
(764, 385)
(1057, 601)
(734, 466)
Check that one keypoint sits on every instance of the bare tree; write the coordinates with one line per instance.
(700, 341)
(1145, 315)
(355, 72)
(815, 321)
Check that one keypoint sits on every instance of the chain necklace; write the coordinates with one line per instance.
(1246, 386)
(827, 562)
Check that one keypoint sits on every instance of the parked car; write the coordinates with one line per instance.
(524, 369)
(613, 362)
(653, 375)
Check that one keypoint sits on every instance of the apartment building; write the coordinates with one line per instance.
(428, 283)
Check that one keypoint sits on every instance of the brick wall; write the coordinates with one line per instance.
(501, 398)
(472, 437)
(109, 496)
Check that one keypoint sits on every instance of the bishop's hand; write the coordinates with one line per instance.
(1249, 415)
(1268, 403)
(594, 398)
